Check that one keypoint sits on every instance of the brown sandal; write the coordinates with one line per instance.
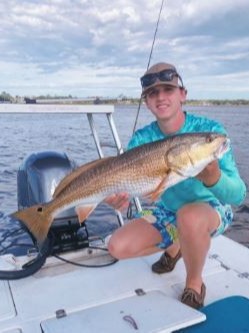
(191, 298)
(166, 263)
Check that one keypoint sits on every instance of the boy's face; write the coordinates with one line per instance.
(165, 101)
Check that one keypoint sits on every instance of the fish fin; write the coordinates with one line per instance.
(73, 175)
(37, 220)
(84, 211)
(154, 195)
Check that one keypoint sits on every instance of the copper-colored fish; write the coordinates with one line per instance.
(145, 171)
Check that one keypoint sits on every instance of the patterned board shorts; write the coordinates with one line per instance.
(165, 221)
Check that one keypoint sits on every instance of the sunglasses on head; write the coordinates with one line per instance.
(166, 75)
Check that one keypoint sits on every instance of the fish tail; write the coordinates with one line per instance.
(37, 219)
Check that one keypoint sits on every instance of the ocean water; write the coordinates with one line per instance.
(23, 134)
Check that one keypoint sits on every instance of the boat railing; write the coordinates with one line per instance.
(90, 111)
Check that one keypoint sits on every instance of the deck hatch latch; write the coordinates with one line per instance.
(140, 292)
(61, 313)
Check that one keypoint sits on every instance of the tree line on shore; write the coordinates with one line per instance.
(7, 98)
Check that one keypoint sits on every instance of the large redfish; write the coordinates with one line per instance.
(145, 171)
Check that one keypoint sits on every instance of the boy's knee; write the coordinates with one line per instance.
(193, 218)
(185, 217)
(116, 249)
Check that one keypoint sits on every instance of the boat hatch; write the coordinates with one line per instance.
(7, 308)
(150, 312)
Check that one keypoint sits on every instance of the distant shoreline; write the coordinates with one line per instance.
(238, 102)
(6, 98)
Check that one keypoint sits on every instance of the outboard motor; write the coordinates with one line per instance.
(37, 178)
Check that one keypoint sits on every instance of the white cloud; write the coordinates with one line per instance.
(76, 46)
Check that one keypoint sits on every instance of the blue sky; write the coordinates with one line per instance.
(101, 47)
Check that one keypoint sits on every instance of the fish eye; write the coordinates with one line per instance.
(209, 139)
(39, 209)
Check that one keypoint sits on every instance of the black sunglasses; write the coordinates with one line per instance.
(166, 75)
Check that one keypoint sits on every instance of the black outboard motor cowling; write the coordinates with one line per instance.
(39, 175)
(37, 178)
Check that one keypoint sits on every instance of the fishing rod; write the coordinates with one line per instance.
(136, 200)
(149, 60)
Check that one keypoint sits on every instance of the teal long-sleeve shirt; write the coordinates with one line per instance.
(230, 188)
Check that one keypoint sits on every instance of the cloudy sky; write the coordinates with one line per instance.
(101, 47)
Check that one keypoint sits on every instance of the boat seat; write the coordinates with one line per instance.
(228, 315)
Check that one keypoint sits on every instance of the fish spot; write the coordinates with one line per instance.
(39, 209)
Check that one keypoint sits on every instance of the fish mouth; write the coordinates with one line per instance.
(223, 148)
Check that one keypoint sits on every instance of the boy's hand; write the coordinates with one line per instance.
(118, 201)
(210, 175)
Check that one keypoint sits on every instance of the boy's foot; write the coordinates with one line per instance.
(192, 298)
(166, 263)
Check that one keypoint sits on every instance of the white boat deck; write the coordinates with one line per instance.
(100, 299)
